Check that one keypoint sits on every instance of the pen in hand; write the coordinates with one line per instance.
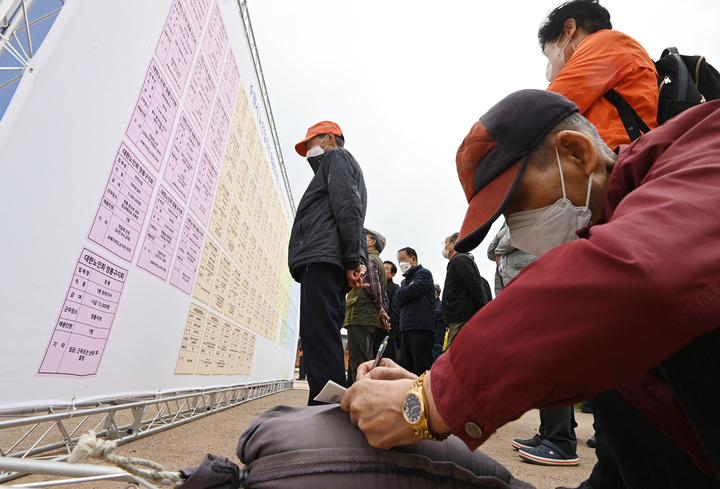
(380, 352)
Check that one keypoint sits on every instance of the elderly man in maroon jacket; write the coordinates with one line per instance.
(623, 303)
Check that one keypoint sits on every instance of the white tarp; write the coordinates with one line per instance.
(144, 219)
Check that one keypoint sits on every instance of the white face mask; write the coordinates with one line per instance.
(539, 230)
(404, 266)
(445, 251)
(553, 69)
(316, 150)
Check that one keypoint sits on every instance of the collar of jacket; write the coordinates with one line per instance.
(316, 161)
(458, 254)
(373, 252)
(412, 271)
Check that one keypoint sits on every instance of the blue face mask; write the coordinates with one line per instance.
(539, 230)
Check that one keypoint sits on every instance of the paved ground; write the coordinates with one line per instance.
(186, 445)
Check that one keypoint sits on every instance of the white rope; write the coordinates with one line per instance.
(89, 446)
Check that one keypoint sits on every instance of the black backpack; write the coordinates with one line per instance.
(684, 82)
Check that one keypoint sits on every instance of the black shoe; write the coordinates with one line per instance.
(585, 407)
(583, 485)
(591, 442)
(548, 453)
(533, 442)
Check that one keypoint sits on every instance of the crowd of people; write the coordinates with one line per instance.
(606, 278)
(418, 324)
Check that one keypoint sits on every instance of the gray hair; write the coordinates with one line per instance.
(378, 238)
(577, 122)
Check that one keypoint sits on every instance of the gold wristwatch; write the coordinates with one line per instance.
(416, 413)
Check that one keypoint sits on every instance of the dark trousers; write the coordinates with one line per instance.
(436, 351)
(361, 340)
(557, 425)
(416, 347)
(645, 457)
(322, 312)
(389, 349)
(302, 374)
(605, 474)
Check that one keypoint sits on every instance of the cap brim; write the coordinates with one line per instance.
(487, 205)
(300, 147)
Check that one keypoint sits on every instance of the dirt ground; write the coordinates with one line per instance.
(218, 433)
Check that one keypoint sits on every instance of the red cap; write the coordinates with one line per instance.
(494, 154)
(323, 127)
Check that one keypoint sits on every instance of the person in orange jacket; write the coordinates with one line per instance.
(586, 58)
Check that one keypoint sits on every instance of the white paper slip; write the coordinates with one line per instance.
(332, 392)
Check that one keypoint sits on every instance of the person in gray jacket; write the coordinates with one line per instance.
(557, 425)
(327, 253)
(509, 260)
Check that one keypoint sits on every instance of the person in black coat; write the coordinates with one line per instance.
(327, 253)
(416, 300)
(466, 291)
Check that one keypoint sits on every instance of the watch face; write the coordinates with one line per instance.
(412, 409)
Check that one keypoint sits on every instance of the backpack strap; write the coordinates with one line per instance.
(684, 80)
(634, 125)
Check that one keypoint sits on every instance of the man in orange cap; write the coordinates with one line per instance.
(327, 253)
(623, 303)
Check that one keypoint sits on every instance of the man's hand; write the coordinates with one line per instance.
(384, 319)
(375, 403)
(355, 277)
(386, 370)
(375, 406)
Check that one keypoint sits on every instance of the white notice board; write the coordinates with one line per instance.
(144, 219)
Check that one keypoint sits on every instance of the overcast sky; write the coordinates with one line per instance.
(406, 80)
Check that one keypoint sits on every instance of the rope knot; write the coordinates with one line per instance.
(89, 446)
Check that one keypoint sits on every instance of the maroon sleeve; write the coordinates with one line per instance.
(599, 312)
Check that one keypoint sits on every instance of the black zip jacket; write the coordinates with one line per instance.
(328, 225)
(464, 292)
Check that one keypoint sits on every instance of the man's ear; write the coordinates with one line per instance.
(569, 27)
(577, 148)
